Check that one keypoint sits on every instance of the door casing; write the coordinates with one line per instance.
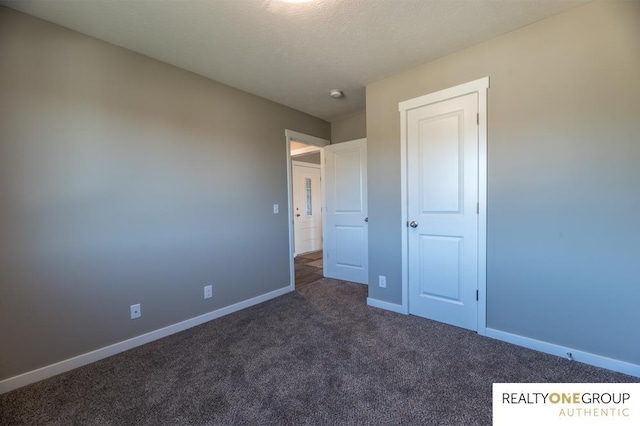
(291, 135)
(480, 87)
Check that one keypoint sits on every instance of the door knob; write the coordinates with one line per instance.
(413, 224)
(297, 214)
(366, 219)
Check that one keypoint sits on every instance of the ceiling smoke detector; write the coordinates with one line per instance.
(335, 93)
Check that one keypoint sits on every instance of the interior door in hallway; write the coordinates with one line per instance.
(346, 233)
(442, 200)
(307, 208)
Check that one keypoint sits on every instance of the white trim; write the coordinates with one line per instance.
(305, 139)
(33, 376)
(309, 140)
(483, 86)
(561, 351)
(441, 95)
(480, 87)
(323, 188)
(292, 273)
(404, 233)
(393, 307)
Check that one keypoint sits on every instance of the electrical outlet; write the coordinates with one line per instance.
(382, 281)
(208, 292)
(136, 311)
(276, 209)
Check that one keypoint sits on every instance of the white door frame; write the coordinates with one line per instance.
(480, 87)
(308, 140)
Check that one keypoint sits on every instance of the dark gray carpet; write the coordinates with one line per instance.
(318, 356)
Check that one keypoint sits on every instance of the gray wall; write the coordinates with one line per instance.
(125, 180)
(350, 128)
(564, 176)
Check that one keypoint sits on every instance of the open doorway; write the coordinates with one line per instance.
(306, 200)
(307, 218)
(307, 206)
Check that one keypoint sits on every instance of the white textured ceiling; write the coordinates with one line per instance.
(294, 53)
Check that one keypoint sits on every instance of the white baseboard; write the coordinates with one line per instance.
(33, 376)
(561, 351)
(386, 305)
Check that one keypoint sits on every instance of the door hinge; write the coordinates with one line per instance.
(478, 119)
(477, 295)
(477, 208)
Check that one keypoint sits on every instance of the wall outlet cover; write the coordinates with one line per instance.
(382, 281)
(208, 292)
(136, 311)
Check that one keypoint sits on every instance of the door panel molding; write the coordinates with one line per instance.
(345, 226)
(442, 190)
(480, 87)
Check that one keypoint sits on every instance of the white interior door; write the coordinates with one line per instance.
(442, 202)
(307, 208)
(346, 234)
